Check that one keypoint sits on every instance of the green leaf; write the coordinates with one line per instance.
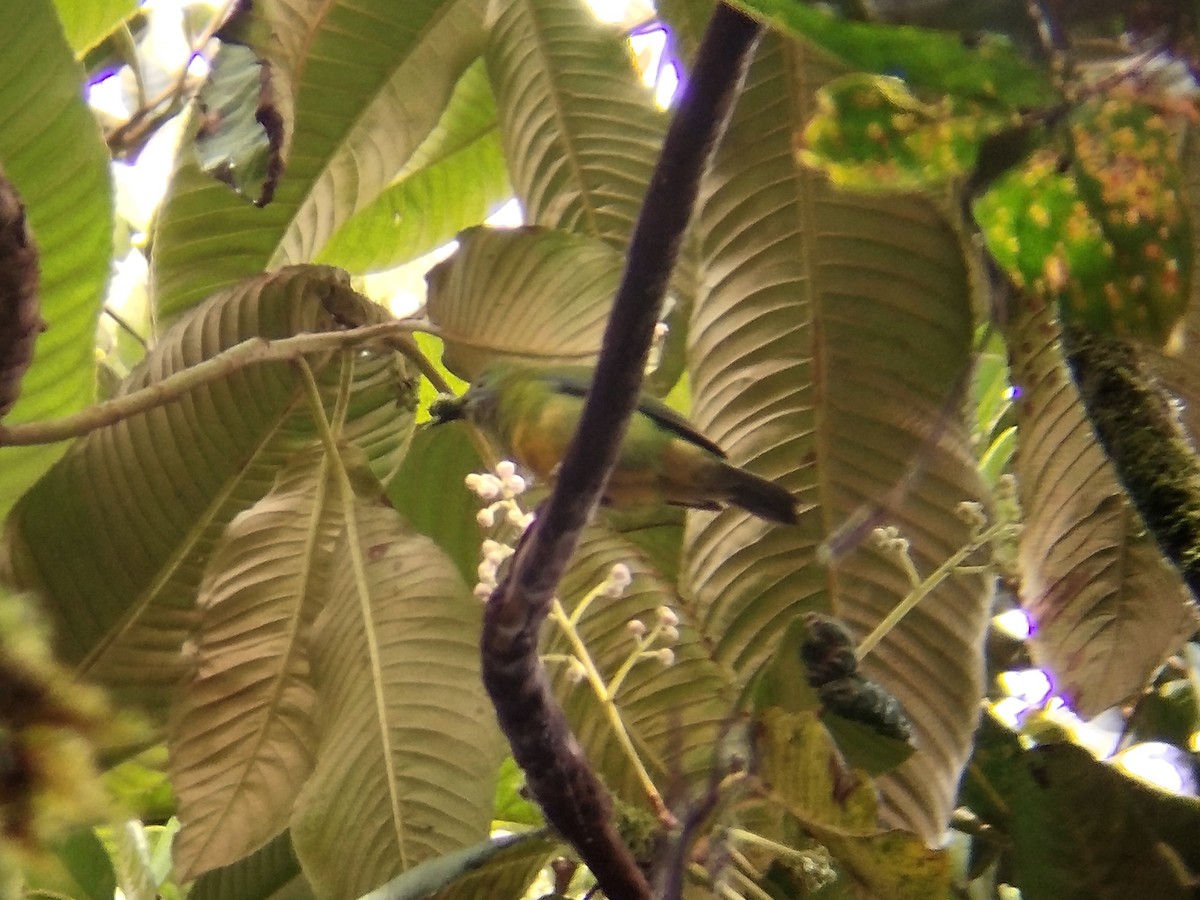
(454, 180)
(370, 81)
(408, 747)
(130, 852)
(88, 22)
(836, 806)
(69, 210)
(829, 352)
(871, 133)
(243, 731)
(532, 293)
(988, 69)
(443, 456)
(511, 805)
(233, 146)
(1108, 240)
(76, 866)
(273, 873)
(115, 537)
(434, 874)
(1107, 608)
(510, 873)
(141, 786)
(1079, 833)
(580, 131)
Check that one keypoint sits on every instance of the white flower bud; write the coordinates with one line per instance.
(486, 517)
(620, 575)
(575, 671)
(488, 487)
(483, 591)
(667, 617)
(669, 633)
(514, 485)
(636, 627)
(506, 468)
(666, 656)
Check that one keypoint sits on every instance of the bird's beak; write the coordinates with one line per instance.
(446, 409)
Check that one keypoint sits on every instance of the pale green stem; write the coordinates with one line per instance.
(749, 837)
(910, 569)
(582, 605)
(611, 712)
(342, 404)
(316, 403)
(747, 885)
(640, 648)
(923, 588)
(248, 353)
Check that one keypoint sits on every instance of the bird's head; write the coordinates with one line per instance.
(477, 405)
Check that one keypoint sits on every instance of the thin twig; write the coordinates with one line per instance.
(125, 325)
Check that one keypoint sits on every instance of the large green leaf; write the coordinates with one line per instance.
(370, 82)
(1107, 608)
(454, 180)
(526, 292)
(989, 67)
(435, 874)
(1079, 827)
(408, 747)
(87, 22)
(580, 131)
(242, 742)
(837, 808)
(441, 455)
(829, 352)
(115, 537)
(273, 873)
(52, 151)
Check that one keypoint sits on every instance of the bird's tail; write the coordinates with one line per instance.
(763, 498)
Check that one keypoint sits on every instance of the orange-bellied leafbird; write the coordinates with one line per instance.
(532, 413)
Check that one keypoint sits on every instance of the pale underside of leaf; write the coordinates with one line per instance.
(115, 537)
(372, 80)
(243, 734)
(408, 743)
(580, 131)
(531, 293)
(828, 350)
(52, 151)
(1107, 608)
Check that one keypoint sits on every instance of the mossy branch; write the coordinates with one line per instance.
(1137, 426)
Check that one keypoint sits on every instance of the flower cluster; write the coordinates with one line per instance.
(665, 630)
(501, 488)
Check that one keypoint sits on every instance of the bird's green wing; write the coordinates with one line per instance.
(577, 382)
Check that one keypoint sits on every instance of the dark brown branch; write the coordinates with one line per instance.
(558, 774)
